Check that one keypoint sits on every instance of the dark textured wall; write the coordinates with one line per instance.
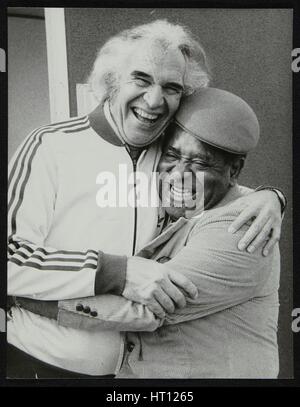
(249, 52)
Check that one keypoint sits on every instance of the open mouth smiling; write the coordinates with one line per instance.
(144, 117)
(173, 195)
(182, 194)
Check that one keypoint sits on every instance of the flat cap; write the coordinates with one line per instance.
(219, 118)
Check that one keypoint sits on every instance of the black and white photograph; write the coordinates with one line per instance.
(150, 193)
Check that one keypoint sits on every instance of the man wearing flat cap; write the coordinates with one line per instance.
(230, 329)
(65, 243)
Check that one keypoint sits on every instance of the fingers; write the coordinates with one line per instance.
(173, 292)
(254, 231)
(165, 301)
(246, 215)
(165, 298)
(272, 241)
(261, 238)
(156, 308)
(184, 283)
(168, 298)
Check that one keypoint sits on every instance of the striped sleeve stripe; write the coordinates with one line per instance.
(54, 259)
(52, 267)
(10, 251)
(59, 125)
(24, 153)
(38, 257)
(25, 253)
(39, 260)
(32, 143)
(36, 141)
(20, 254)
(17, 246)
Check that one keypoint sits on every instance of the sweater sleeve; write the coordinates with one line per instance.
(35, 270)
(107, 311)
(224, 275)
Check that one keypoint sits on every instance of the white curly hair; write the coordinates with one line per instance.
(105, 74)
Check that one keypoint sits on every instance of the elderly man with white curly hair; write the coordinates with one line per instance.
(64, 244)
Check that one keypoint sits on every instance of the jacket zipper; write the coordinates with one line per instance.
(134, 163)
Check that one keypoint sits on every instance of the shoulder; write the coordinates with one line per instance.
(211, 231)
(219, 218)
(210, 234)
(70, 126)
(56, 136)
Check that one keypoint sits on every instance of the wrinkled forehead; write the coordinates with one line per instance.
(156, 59)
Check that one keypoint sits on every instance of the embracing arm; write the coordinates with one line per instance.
(266, 206)
(223, 275)
(105, 312)
(116, 312)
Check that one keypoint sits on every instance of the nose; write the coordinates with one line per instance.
(182, 167)
(181, 172)
(154, 97)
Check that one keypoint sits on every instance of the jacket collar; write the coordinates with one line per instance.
(102, 123)
(101, 126)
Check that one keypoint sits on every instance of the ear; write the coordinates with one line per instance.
(236, 167)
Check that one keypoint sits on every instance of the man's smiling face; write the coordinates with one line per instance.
(193, 175)
(149, 92)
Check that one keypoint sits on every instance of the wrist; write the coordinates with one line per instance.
(280, 195)
(111, 274)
